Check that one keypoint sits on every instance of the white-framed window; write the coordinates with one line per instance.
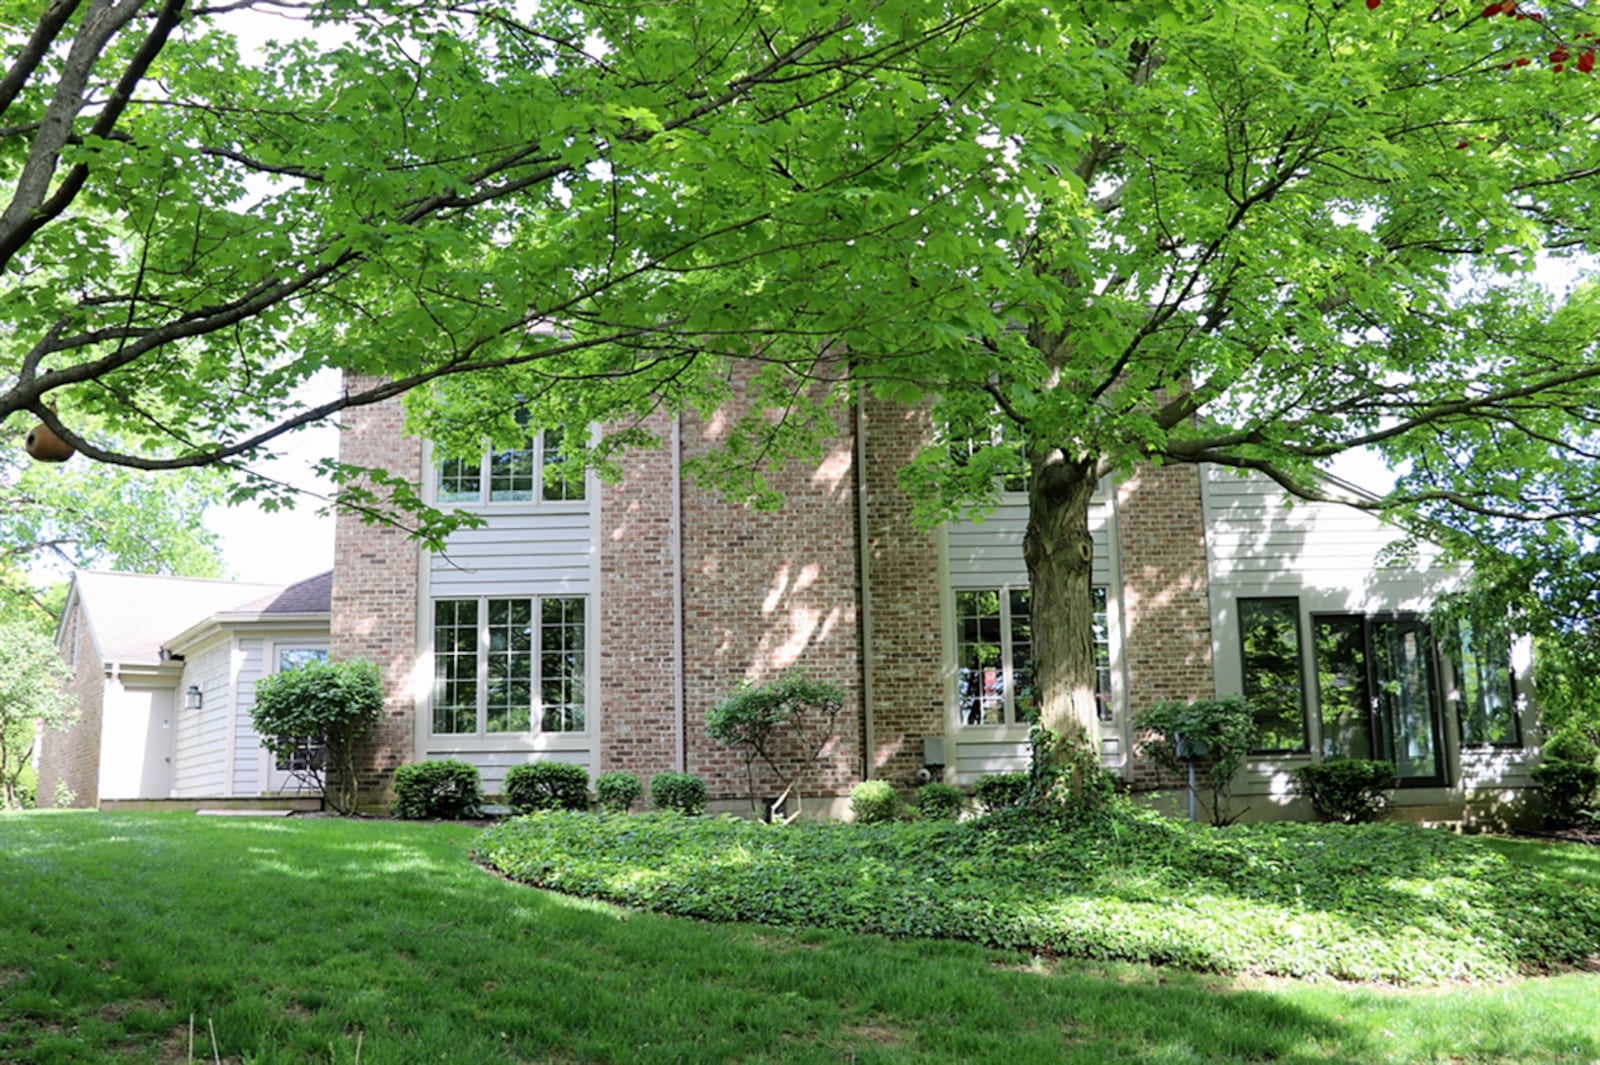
(535, 473)
(307, 754)
(504, 665)
(994, 656)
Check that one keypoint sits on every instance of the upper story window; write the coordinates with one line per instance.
(998, 453)
(535, 473)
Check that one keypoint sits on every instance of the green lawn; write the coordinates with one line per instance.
(318, 940)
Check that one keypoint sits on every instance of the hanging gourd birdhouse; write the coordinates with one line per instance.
(44, 445)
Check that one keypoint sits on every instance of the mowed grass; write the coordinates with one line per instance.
(318, 940)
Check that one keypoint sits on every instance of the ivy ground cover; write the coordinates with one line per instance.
(1390, 902)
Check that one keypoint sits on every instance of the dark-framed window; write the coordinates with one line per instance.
(1274, 679)
(1486, 703)
(1378, 693)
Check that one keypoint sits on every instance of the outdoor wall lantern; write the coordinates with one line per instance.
(191, 698)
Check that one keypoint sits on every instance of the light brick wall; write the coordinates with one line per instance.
(903, 589)
(1167, 602)
(73, 756)
(768, 590)
(637, 613)
(375, 590)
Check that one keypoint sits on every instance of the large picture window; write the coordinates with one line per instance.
(994, 657)
(1269, 642)
(500, 665)
(535, 473)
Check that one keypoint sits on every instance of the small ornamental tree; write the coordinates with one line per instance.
(785, 724)
(332, 705)
(31, 679)
(1219, 731)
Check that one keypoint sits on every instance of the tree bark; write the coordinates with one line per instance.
(1059, 552)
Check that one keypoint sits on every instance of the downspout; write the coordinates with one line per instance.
(863, 594)
(675, 546)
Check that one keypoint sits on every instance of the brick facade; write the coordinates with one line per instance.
(375, 590)
(746, 594)
(73, 757)
(766, 590)
(1166, 595)
(638, 612)
(902, 576)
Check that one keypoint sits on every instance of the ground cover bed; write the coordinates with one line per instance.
(1388, 902)
(151, 939)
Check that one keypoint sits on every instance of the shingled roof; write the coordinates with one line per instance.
(131, 615)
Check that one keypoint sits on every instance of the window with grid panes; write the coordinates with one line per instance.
(510, 665)
(994, 657)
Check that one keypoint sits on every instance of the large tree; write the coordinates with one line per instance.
(1254, 234)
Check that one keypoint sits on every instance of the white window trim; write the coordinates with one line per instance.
(432, 464)
(481, 736)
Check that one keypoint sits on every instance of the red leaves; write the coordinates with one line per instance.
(1586, 61)
(1372, 5)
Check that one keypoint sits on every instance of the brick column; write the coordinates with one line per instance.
(903, 590)
(73, 757)
(375, 589)
(638, 616)
(1166, 595)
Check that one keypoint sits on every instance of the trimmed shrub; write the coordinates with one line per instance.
(1568, 776)
(683, 792)
(940, 802)
(875, 801)
(328, 704)
(999, 791)
(1567, 788)
(547, 786)
(1350, 791)
(617, 791)
(447, 789)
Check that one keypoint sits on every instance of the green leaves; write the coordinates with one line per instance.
(1394, 903)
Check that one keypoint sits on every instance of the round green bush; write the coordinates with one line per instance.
(617, 791)
(940, 802)
(999, 791)
(683, 792)
(446, 789)
(1350, 791)
(547, 786)
(874, 802)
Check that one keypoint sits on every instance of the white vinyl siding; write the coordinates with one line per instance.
(201, 752)
(251, 656)
(1331, 559)
(986, 554)
(518, 553)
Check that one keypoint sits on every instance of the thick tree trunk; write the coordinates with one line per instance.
(1060, 556)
